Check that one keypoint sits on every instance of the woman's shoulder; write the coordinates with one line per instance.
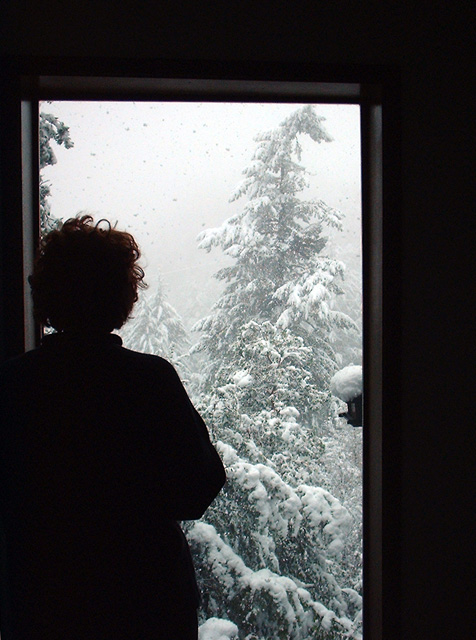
(146, 365)
(18, 363)
(145, 359)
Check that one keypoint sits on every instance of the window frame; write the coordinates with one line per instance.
(24, 82)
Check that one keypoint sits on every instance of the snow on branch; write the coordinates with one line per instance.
(322, 509)
(241, 581)
(279, 505)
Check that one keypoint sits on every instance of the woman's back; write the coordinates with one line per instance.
(101, 453)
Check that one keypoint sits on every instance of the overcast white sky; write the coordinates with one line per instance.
(165, 171)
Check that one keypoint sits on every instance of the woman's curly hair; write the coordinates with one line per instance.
(85, 278)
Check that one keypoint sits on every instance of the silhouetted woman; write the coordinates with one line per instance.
(101, 453)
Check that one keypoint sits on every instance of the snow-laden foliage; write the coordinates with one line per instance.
(155, 327)
(264, 401)
(273, 580)
(346, 384)
(50, 129)
(278, 554)
(280, 272)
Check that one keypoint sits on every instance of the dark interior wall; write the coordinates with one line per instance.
(430, 43)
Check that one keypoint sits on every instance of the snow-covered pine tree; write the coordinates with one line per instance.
(141, 332)
(50, 128)
(270, 552)
(281, 273)
(155, 327)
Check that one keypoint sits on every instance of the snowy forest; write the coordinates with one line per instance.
(278, 555)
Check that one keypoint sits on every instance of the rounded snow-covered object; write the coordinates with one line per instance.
(217, 629)
(346, 384)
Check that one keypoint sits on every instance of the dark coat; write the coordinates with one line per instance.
(101, 452)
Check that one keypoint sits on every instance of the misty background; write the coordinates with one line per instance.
(164, 171)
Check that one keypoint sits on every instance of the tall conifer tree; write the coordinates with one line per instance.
(270, 551)
(281, 272)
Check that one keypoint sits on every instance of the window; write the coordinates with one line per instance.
(235, 91)
(165, 171)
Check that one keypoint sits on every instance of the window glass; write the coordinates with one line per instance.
(249, 221)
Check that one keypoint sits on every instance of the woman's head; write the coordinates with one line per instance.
(85, 277)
